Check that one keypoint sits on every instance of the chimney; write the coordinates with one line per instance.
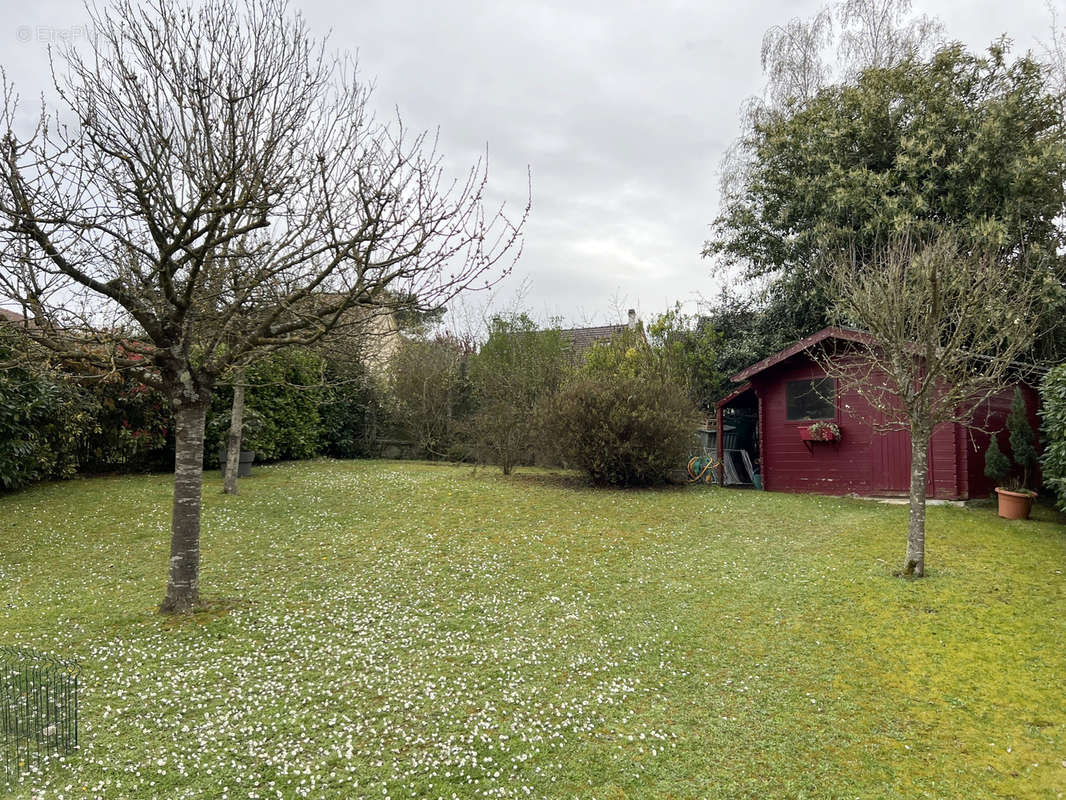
(632, 318)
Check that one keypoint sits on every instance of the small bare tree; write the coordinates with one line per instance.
(944, 325)
(879, 34)
(233, 439)
(213, 187)
(1055, 47)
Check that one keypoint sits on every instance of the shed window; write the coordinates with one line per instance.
(811, 399)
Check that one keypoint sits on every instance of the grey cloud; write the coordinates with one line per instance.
(622, 110)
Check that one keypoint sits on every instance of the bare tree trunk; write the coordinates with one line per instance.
(914, 564)
(233, 445)
(183, 584)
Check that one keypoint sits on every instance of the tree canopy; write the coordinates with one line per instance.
(960, 141)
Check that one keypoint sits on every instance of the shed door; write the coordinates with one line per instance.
(890, 463)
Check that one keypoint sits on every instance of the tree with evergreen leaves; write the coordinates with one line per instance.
(997, 464)
(1022, 438)
(976, 144)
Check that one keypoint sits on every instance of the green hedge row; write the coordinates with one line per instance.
(299, 405)
(54, 425)
(1053, 410)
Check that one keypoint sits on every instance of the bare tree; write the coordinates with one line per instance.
(214, 187)
(798, 57)
(880, 34)
(236, 429)
(944, 325)
(793, 59)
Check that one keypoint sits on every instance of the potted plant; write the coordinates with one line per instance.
(1014, 497)
(253, 423)
(821, 432)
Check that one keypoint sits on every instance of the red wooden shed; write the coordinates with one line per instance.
(780, 397)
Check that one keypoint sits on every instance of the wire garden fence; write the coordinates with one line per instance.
(38, 709)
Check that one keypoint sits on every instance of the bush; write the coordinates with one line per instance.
(53, 423)
(133, 428)
(997, 464)
(284, 390)
(622, 431)
(44, 421)
(1022, 439)
(430, 393)
(1053, 399)
(518, 367)
(351, 412)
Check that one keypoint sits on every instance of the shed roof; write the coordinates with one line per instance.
(733, 396)
(851, 335)
(848, 334)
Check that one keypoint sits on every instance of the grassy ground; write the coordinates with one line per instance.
(395, 630)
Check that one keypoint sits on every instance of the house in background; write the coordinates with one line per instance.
(768, 415)
(6, 315)
(579, 340)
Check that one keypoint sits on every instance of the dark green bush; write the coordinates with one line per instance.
(53, 423)
(622, 431)
(1022, 438)
(1053, 410)
(997, 464)
(133, 427)
(284, 390)
(44, 420)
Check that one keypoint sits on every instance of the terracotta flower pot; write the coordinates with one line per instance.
(1014, 505)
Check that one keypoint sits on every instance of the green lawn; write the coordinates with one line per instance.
(393, 630)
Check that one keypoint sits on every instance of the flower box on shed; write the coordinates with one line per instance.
(826, 434)
(819, 432)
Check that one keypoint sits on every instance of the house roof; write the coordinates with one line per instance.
(581, 339)
(848, 334)
(6, 315)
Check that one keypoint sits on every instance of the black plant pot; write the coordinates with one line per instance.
(244, 466)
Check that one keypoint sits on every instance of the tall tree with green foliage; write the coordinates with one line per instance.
(1053, 429)
(960, 141)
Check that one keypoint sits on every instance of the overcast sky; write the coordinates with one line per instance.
(621, 111)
